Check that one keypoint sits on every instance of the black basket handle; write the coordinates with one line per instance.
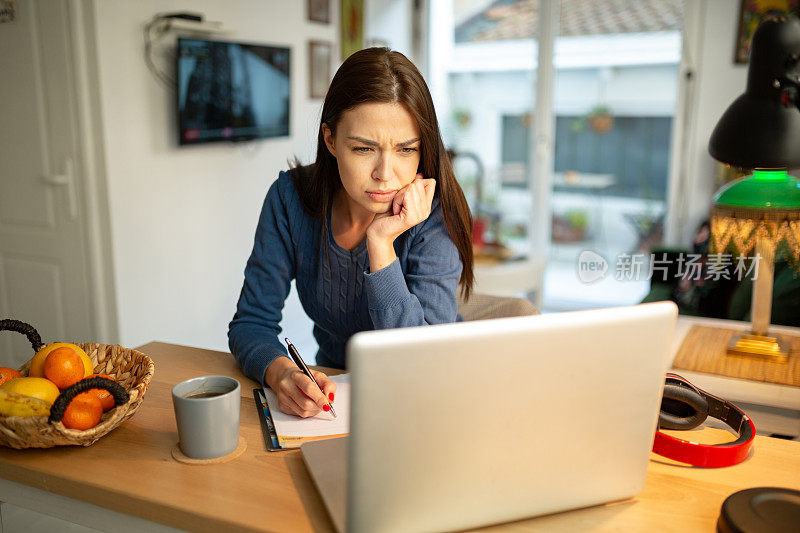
(8, 324)
(60, 405)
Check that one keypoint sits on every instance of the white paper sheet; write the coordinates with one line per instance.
(322, 425)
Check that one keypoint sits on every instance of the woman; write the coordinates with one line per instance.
(376, 232)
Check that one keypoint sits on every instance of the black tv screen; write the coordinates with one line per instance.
(232, 91)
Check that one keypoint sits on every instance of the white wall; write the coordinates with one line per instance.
(390, 21)
(183, 219)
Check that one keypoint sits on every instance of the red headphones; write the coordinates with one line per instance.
(684, 406)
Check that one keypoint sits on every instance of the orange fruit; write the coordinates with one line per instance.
(37, 363)
(105, 397)
(83, 412)
(41, 388)
(7, 373)
(64, 367)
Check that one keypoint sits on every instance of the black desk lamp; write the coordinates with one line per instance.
(761, 212)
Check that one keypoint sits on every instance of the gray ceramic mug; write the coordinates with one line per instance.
(207, 413)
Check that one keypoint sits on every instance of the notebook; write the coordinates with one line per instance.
(284, 431)
(463, 425)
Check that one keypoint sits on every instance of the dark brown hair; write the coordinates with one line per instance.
(384, 76)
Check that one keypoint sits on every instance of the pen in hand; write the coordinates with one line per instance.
(302, 365)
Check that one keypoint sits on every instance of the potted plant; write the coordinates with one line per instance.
(463, 117)
(599, 119)
(572, 226)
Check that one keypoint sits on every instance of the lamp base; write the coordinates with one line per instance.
(704, 350)
(774, 348)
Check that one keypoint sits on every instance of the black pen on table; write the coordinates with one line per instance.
(302, 365)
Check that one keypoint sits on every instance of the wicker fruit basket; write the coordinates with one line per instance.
(131, 369)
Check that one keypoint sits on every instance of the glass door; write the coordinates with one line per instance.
(482, 70)
(616, 86)
(589, 182)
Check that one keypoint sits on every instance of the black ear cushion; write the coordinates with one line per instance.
(682, 408)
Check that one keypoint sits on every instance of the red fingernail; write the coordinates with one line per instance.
(330, 396)
(326, 408)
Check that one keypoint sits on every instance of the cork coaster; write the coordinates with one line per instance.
(703, 350)
(177, 454)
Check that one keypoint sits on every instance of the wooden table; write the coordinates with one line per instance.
(129, 481)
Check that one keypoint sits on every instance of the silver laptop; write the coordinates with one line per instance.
(462, 425)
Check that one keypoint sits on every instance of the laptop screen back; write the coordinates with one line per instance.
(462, 425)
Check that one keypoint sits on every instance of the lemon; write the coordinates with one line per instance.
(41, 388)
(37, 363)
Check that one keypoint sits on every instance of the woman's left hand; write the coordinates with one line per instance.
(410, 206)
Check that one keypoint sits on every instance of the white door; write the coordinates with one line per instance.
(43, 251)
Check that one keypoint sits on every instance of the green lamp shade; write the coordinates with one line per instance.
(765, 189)
(764, 206)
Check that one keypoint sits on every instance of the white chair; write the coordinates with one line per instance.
(512, 278)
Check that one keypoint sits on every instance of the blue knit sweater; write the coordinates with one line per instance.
(418, 288)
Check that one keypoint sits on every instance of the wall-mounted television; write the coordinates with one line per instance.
(232, 91)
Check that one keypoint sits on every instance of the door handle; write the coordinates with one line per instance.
(67, 179)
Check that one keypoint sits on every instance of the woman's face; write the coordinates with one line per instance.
(377, 150)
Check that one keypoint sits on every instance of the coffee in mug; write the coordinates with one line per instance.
(207, 415)
(203, 394)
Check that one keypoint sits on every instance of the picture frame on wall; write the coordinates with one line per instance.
(320, 54)
(751, 13)
(8, 11)
(319, 11)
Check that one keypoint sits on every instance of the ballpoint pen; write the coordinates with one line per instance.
(302, 365)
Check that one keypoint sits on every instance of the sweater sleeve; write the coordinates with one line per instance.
(253, 332)
(426, 293)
